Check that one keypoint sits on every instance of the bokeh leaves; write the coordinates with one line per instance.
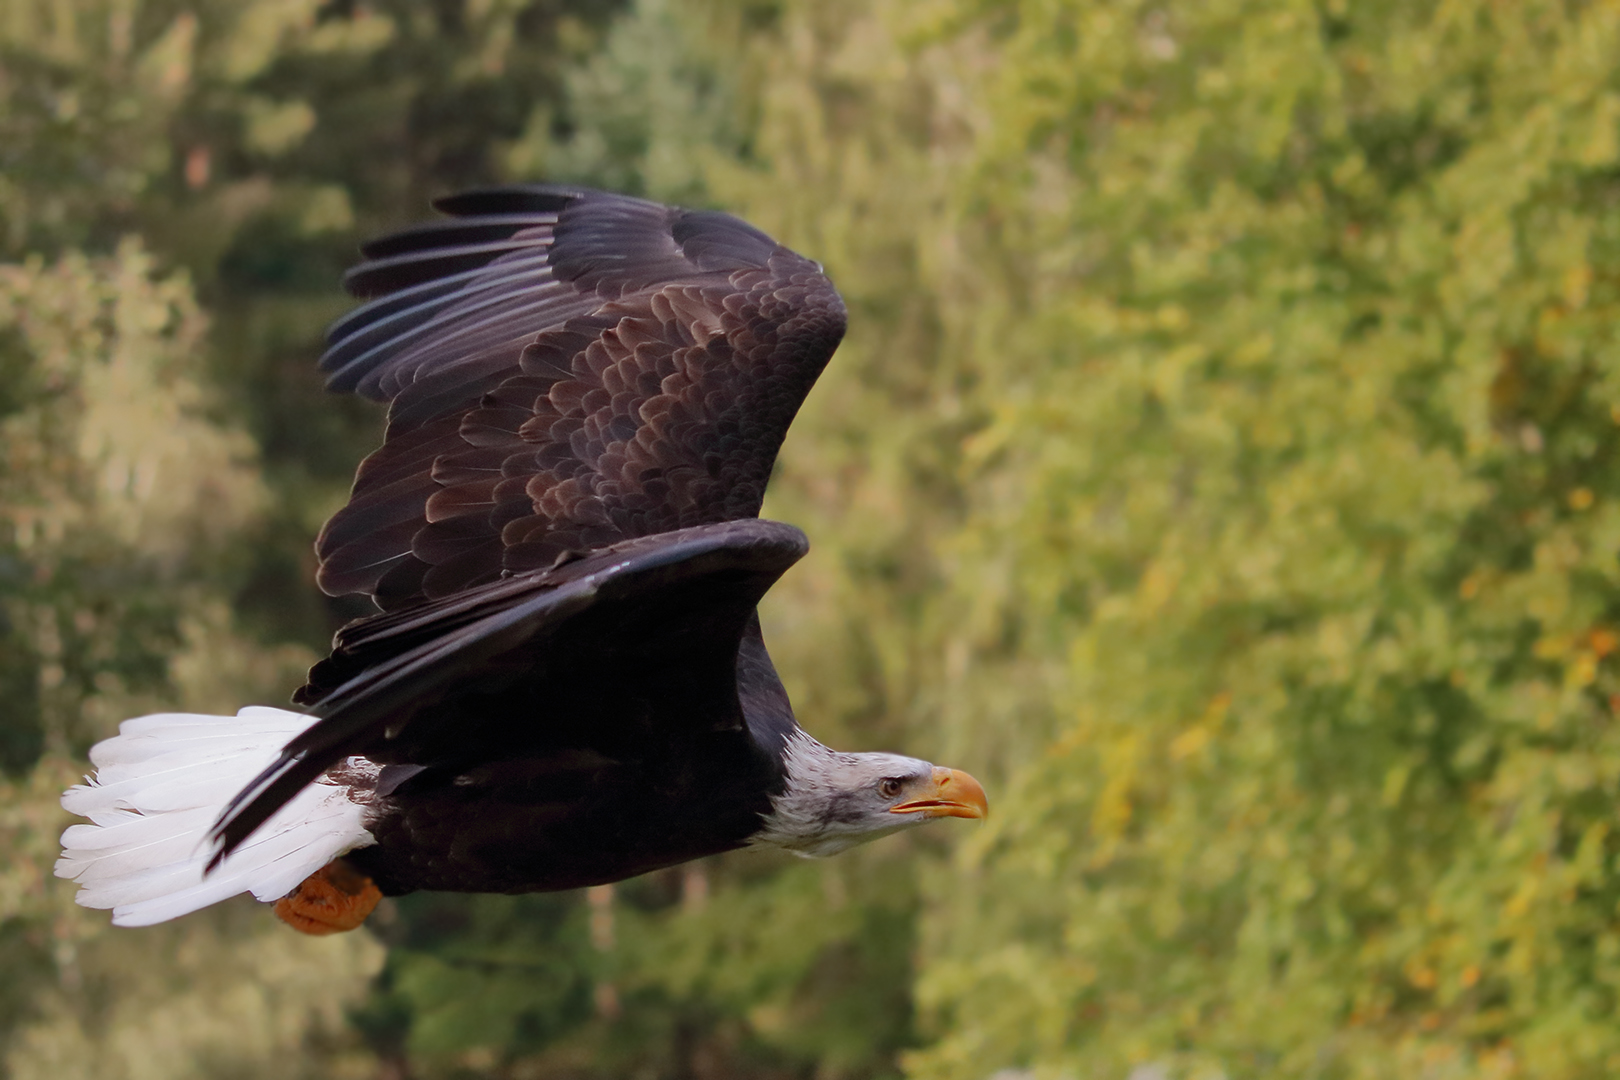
(1221, 463)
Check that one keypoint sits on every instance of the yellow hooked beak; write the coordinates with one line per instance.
(949, 793)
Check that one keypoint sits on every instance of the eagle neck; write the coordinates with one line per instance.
(799, 816)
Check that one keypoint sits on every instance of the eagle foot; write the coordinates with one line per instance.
(335, 898)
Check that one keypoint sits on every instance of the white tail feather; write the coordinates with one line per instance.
(160, 785)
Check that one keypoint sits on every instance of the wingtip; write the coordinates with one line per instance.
(511, 199)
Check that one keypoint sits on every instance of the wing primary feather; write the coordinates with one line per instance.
(384, 306)
(395, 330)
(523, 199)
(269, 791)
(489, 291)
(454, 231)
(399, 358)
(386, 275)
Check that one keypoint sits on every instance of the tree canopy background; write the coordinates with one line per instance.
(1221, 464)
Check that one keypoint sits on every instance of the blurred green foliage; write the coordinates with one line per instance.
(1221, 464)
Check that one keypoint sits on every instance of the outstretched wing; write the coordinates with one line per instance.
(648, 628)
(564, 369)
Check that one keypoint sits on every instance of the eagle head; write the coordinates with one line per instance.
(833, 801)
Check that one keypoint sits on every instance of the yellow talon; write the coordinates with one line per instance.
(335, 898)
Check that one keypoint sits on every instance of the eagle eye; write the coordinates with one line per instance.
(889, 787)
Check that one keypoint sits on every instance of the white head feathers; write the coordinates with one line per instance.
(834, 801)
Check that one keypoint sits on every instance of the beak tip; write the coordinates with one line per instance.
(955, 794)
(969, 794)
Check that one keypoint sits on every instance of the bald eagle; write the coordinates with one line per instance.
(566, 683)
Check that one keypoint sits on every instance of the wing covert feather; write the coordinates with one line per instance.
(564, 369)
